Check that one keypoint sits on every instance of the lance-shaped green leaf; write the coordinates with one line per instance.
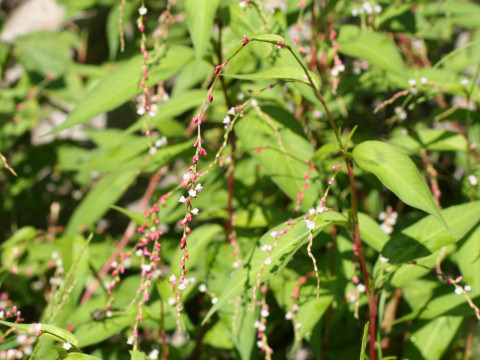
(398, 173)
(51, 331)
(97, 202)
(430, 341)
(374, 47)
(293, 73)
(268, 37)
(425, 236)
(79, 356)
(200, 16)
(122, 84)
(296, 236)
(94, 332)
(137, 355)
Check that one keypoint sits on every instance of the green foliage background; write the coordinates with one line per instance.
(78, 168)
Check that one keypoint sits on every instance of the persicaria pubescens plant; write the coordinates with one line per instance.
(292, 171)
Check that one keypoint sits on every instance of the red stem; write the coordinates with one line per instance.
(129, 232)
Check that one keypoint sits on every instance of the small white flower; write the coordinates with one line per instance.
(321, 209)
(195, 211)
(22, 339)
(142, 10)
(367, 7)
(226, 120)
(182, 199)
(259, 344)
(160, 142)
(467, 288)
(458, 290)
(298, 326)
(130, 340)
(152, 151)
(172, 278)
(464, 82)
(202, 288)
(401, 113)
(254, 102)
(139, 252)
(38, 327)
(378, 9)
(288, 315)
(473, 180)
(256, 324)
(387, 228)
(423, 80)
(199, 187)
(153, 354)
(171, 301)
(67, 346)
(310, 224)
(146, 267)
(28, 350)
(214, 300)
(341, 67)
(266, 248)
(192, 193)
(361, 288)
(187, 176)
(182, 286)
(274, 233)
(231, 111)
(383, 259)
(242, 4)
(334, 71)
(354, 12)
(412, 82)
(311, 211)
(264, 313)
(268, 261)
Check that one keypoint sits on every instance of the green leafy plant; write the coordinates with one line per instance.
(241, 179)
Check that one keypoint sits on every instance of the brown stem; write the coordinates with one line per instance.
(126, 236)
(313, 42)
(468, 345)
(231, 178)
(372, 298)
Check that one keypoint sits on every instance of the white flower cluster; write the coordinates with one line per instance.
(367, 8)
(389, 219)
